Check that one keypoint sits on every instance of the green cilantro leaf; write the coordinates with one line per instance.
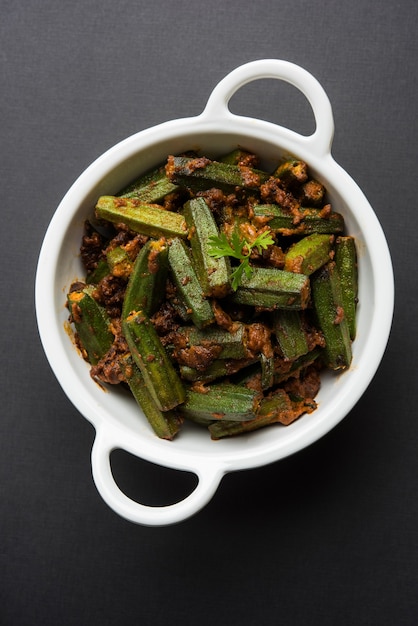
(220, 246)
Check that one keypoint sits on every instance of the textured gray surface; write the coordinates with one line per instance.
(327, 536)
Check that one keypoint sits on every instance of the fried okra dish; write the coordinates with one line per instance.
(217, 293)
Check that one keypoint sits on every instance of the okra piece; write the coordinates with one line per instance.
(292, 171)
(151, 187)
(200, 173)
(311, 193)
(272, 288)
(91, 323)
(96, 275)
(150, 356)
(288, 369)
(188, 285)
(346, 261)
(277, 408)
(236, 157)
(146, 286)
(219, 368)
(165, 424)
(328, 305)
(221, 401)
(270, 411)
(231, 345)
(267, 371)
(213, 273)
(147, 219)
(290, 334)
(313, 220)
(119, 262)
(309, 254)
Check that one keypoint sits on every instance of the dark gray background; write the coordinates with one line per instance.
(328, 536)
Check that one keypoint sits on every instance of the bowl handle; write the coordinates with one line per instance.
(320, 140)
(209, 478)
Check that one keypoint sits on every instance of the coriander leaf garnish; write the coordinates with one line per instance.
(220, 245)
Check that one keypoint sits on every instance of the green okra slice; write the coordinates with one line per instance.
(100, 271)
(188, 286)
(312, 220)
(272, 288)
(213, 273)
(292, 170)
(119, 262)
(287, 369)
(200, 174)
(91, 322)
(146, 286)
(328, 306)
(309, 253)
(346, 261)
(226, 344)
(289, 332)
(221, 401)
(272, 409)
(219, 368)
(165, 424)
(160, 376)
(237, 156)
(147, 219)
(151, 187)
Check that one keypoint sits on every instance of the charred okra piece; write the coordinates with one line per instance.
(213, 273)
(309, 254)
(221, 401)
(312, 220)
(149, 354)
(290, 334)
(188, 286)
(272, 288)
(147, 219)
(238, 157)
(328, 306)
(146, 285)
(346, 261)
(201, 173)
(151, 187)
(165, 424)
(91, 323)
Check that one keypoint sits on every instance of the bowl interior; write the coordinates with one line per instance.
(114, 408)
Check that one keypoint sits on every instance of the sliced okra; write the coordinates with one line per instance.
(272, 288)
(189, 288)
(146, 286)
(213, 273)
(151, 187)
(150, 356)
(309, 253)
(91, 322)
(147, 219)
(165, 424)
(201, 173)
(221, 401)
(346, 261)
(328, 306)
(289, 331)
(310, 220)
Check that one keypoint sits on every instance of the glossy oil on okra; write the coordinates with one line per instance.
(217, 292)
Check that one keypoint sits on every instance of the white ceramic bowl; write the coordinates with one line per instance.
(114, 415)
